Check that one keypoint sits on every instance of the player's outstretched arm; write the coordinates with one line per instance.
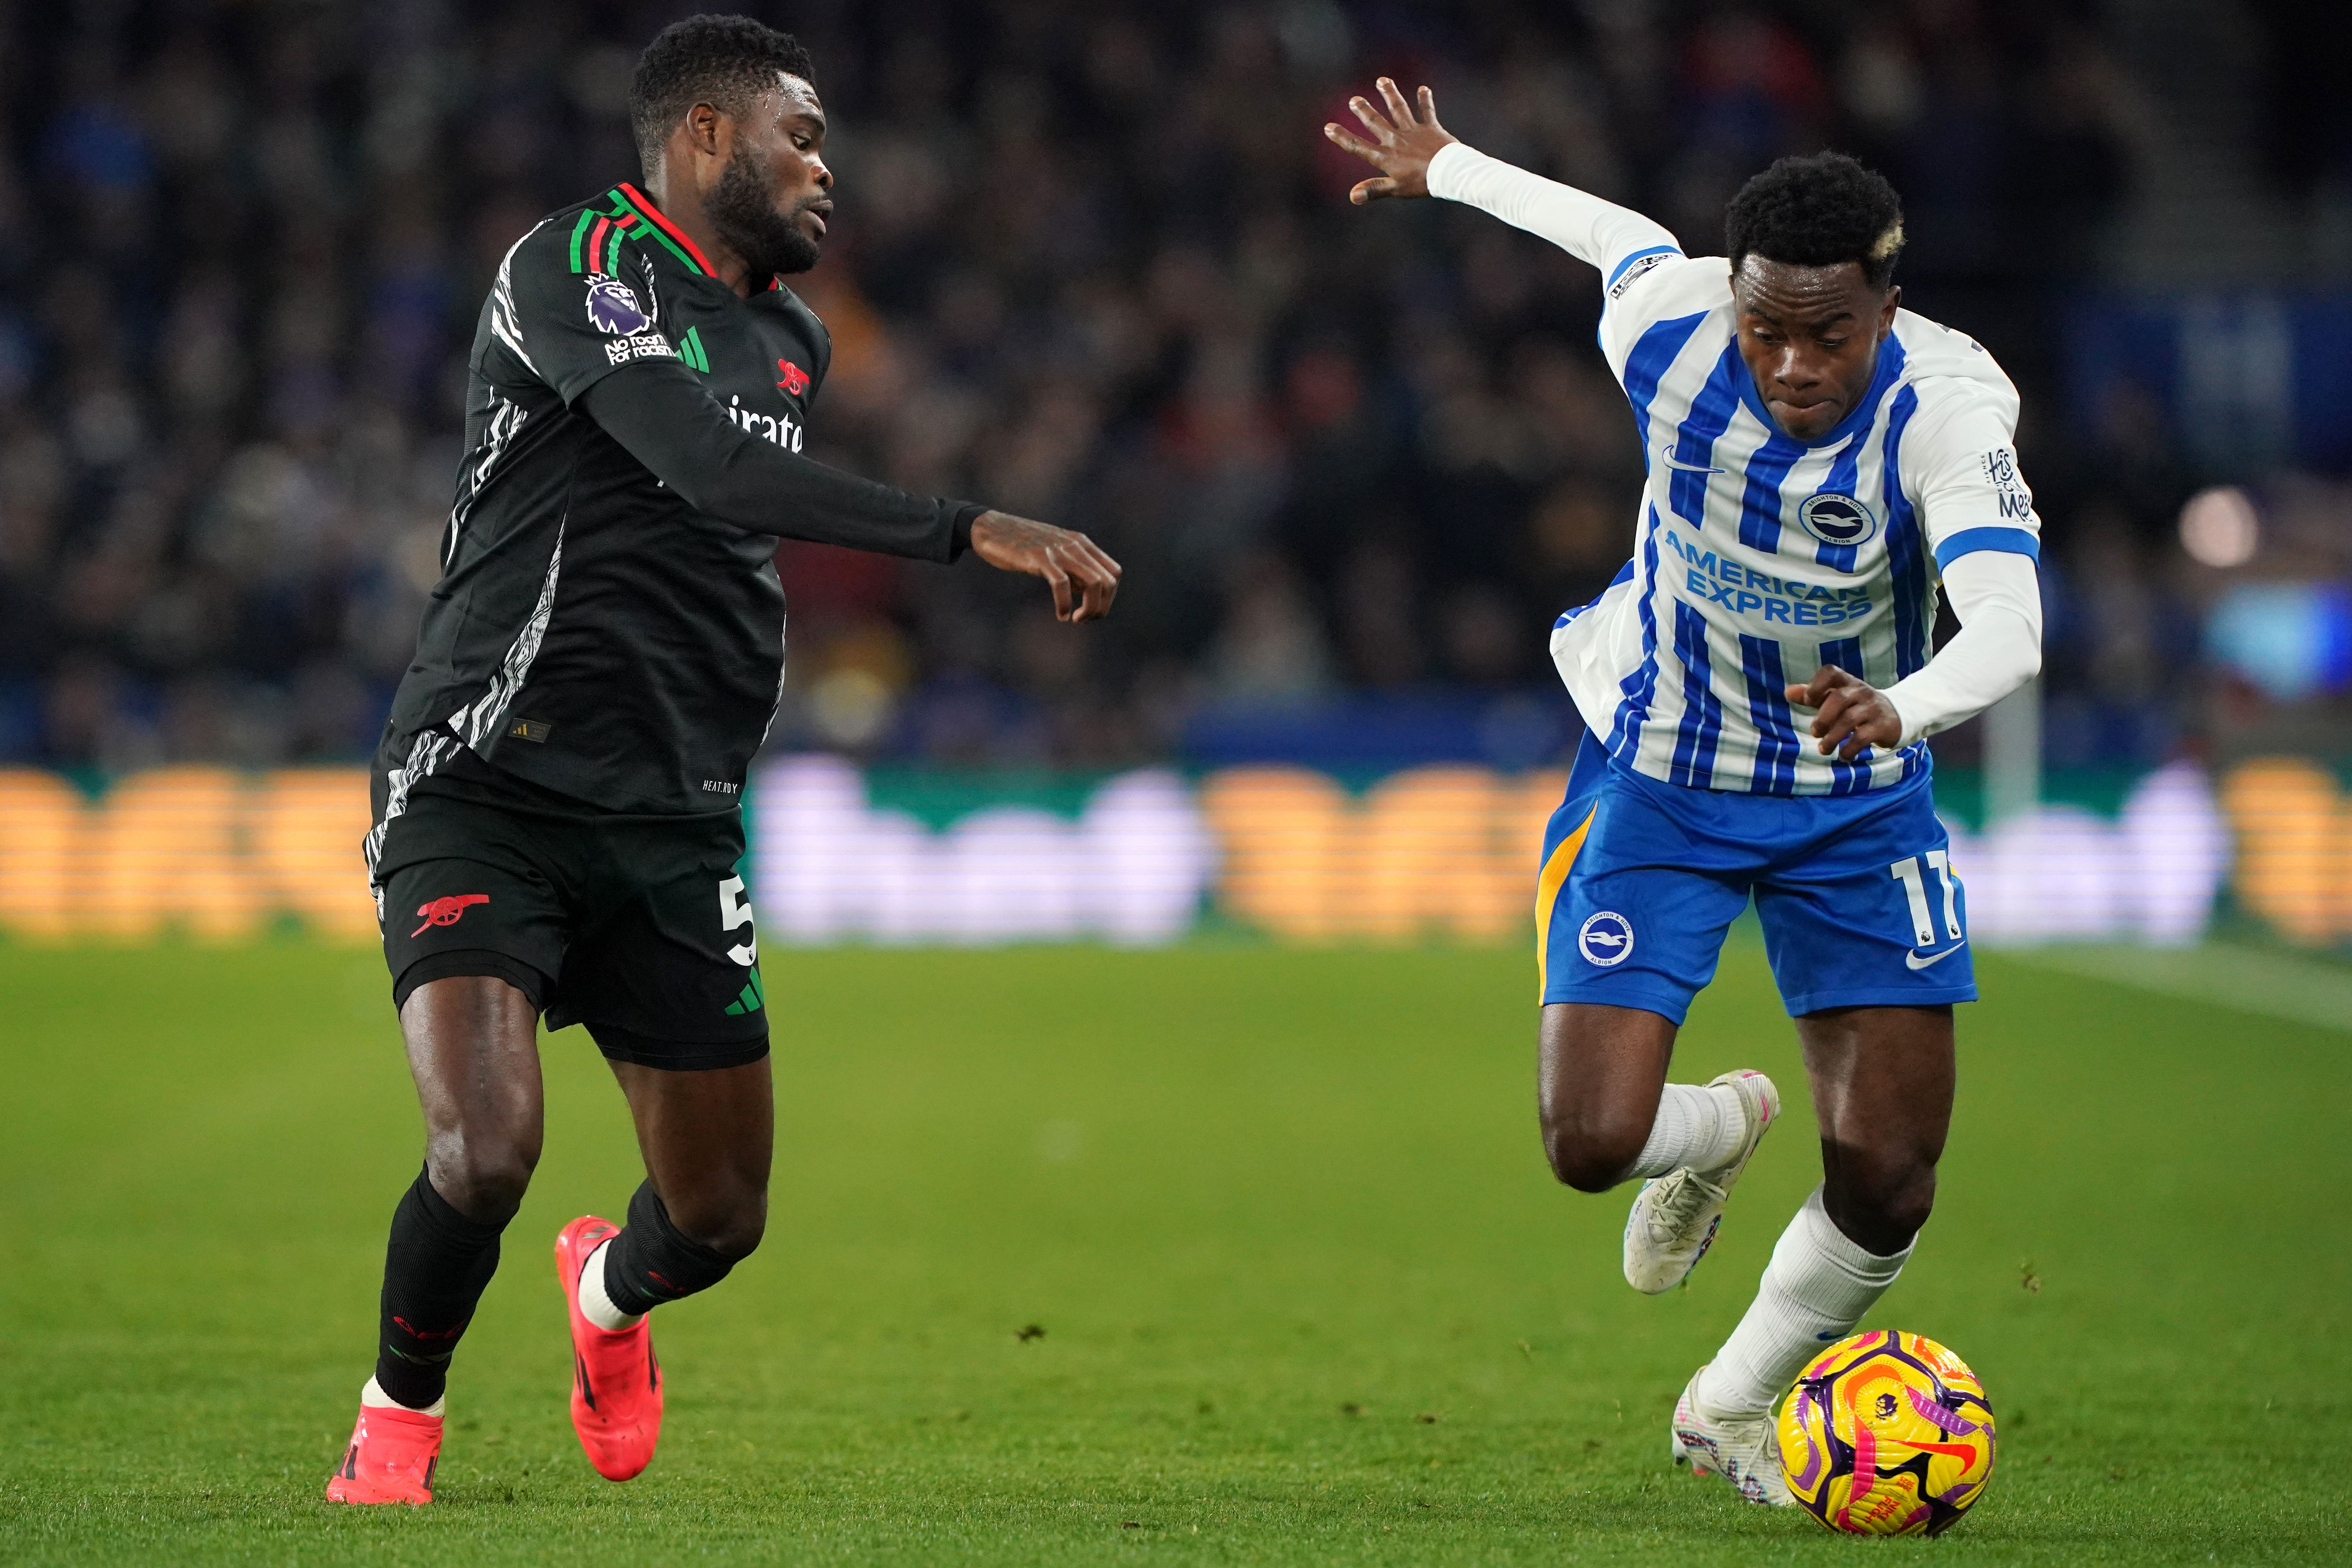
(1417, 156)
(668, 421)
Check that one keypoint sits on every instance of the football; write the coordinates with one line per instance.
(1887, 1434)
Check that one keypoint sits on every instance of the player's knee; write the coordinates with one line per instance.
(1885, 1212)
(1907, 1207)
(483, 1178)
(730, 1226)
(1590, 1149)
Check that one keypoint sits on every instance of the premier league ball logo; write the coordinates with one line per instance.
(1835, 518)
(613, 309)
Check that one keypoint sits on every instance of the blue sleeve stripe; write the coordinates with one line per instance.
(2016, 540)
(1619, 270)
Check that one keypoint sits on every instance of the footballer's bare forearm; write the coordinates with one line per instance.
(662, 414)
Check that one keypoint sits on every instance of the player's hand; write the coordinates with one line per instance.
(1853, 714)
(1084, 579)
(1402, 144)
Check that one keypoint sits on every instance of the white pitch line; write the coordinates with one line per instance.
(2248, 979)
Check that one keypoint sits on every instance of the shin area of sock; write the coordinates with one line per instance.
(1816, 1288)
(436, 1264)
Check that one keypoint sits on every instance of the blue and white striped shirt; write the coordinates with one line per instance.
(1759, 558)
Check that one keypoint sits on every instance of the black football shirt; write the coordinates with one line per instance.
(608, 624)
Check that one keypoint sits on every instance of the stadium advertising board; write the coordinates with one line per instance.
(1150, 856)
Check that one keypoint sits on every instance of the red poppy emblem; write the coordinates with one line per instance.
(793, 379)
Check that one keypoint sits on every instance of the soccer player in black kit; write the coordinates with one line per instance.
(557, 794)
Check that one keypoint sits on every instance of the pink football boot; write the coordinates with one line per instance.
(390, 1458)
(616, 1396)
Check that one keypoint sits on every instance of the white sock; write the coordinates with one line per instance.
(1696, 1125)
(1815, 1290)
(375, 1396)
(595, 1304)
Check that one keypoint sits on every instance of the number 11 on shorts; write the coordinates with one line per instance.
(1914, 890)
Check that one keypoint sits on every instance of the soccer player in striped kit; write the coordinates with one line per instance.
(1757, 686)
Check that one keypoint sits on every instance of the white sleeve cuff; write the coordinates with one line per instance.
(1447, 170)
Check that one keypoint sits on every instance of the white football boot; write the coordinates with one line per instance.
(1674, 1217)
(1742, 1450)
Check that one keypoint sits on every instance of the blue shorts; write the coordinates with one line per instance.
(1641, 879)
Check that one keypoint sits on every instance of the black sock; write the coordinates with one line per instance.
(651, 1261)
(435, 1268)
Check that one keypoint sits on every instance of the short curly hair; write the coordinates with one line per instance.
(1818, 211)
(724, 62)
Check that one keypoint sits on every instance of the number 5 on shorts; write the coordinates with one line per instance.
(734, 912)
(1914, 890)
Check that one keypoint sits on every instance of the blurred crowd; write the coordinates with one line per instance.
(1093, 262)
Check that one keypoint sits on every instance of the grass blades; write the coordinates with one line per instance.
(1306, 1293)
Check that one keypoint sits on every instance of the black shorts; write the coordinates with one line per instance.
(636, 926)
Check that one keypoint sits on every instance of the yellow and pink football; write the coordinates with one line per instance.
(1887, 1434)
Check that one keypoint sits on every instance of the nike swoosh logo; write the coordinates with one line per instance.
(1913, 961)
(1666, 455)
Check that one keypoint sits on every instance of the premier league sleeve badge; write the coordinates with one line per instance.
(612, 308)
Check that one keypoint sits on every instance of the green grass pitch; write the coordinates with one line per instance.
(1308, 1293)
